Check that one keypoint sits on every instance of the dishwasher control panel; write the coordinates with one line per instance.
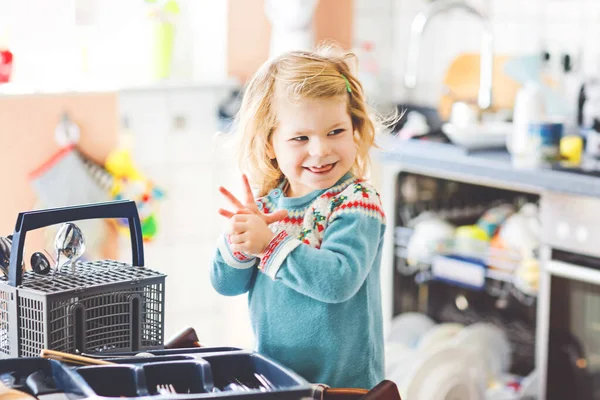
(571, 223)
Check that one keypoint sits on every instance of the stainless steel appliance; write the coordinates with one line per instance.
(568, 320)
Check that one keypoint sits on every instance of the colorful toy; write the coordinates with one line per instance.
(129, 183)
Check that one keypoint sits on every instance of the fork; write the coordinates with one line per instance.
(165, 389)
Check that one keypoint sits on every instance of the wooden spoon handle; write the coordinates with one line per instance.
(72, 358)
(7, 393)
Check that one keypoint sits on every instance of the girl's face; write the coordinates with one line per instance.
(313, 143)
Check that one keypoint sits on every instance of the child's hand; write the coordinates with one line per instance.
(249, 233)
(250, 205)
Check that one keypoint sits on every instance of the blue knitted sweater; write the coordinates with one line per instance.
(314, 295)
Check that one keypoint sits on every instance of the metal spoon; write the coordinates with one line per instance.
(69, 244)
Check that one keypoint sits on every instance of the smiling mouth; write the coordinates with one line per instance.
(321, 169)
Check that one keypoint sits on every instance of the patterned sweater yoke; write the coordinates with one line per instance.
(308, 221)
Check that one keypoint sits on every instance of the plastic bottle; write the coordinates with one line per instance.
(529, 108)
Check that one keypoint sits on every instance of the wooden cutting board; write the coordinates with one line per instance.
(462, 80)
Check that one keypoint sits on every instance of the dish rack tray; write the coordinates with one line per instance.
(100, 306)
(195, 373)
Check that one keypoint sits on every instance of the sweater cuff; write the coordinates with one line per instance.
(235, 259)
(275, 253)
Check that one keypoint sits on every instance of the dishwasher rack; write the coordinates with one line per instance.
(414, 288)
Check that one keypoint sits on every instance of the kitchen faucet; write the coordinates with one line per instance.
(484, 98)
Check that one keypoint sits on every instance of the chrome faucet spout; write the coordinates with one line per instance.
(419, 23)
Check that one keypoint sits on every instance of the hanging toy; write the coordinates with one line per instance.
(129, 183)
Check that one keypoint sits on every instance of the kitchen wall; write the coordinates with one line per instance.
(106, 44)
(519, 27)
(109, 44)
(27, 143)
(248, 43)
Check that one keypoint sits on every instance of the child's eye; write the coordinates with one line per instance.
(299, 138)
(335, 132)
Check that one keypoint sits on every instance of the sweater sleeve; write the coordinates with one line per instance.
(334, 272)
(232, 273)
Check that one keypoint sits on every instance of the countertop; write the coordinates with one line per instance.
(486, 167)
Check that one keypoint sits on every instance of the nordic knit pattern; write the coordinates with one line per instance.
(314, 293)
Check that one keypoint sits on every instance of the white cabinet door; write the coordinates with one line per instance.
(145, 114)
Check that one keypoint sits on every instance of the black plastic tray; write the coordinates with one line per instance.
(197, 373)
(52, 377)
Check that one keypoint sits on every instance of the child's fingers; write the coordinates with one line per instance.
(248, 189)
(276, 216)
(238, 238)
(232, 199)
(241, 217)
(238, 228)
(226, 213)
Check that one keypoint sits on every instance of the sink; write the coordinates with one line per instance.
(431, 115)
(489, 135)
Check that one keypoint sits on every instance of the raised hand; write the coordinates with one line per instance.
(249, 233)
(249, 205)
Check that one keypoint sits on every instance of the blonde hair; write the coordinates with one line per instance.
(325, 73)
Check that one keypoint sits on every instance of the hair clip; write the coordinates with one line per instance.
(347, 83)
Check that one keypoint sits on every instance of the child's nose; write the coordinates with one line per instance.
(319, 148)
